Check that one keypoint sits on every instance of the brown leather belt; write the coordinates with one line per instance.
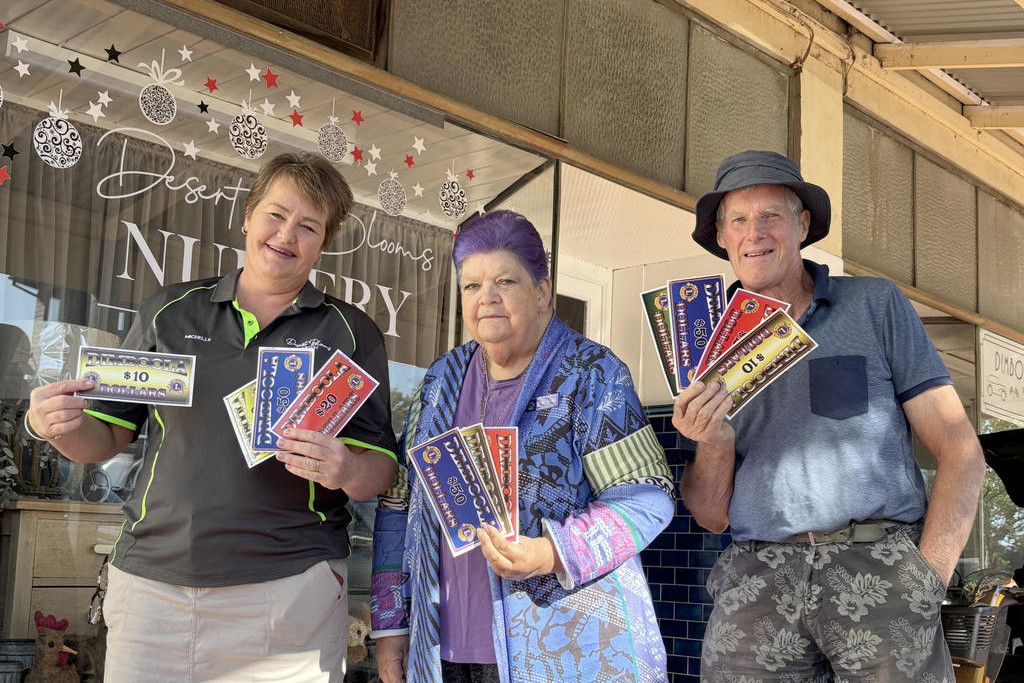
(867, 531)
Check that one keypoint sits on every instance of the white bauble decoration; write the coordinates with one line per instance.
(453, 200)
(248, 136)
(332, 142)
(392, 197)
(57, 142)
(157, 104)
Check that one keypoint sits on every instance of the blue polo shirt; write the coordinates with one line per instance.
(199, 516)
(828, 443)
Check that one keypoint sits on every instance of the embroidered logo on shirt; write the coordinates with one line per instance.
(314, 343)
(197, 337)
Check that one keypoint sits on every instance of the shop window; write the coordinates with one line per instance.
(129, 146)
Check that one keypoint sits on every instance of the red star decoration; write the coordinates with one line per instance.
(3, 175)
(469, 174)
(296, 118)
(271, 78)
(357, 116)
(1, 24)
(357, 154)
(408, 160)
(211, 83)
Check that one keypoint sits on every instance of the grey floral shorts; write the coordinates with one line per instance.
(864, 612)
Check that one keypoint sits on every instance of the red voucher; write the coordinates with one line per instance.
(331, 398)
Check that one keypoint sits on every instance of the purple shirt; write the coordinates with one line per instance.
(466, 614)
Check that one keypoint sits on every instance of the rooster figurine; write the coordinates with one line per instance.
(50, 664)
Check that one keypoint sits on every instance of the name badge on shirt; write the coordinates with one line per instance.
(547, 401)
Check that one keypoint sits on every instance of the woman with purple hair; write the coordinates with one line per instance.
(568, 601)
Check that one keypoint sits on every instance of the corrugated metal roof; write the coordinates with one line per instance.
(920, 20)
(917, 21)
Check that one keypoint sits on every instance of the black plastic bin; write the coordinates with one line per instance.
(970, 632)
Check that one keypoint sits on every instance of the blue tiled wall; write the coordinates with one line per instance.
(677, 565)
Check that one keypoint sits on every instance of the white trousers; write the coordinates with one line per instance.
(290, 630)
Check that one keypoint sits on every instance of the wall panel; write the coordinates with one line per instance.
(1000, 255)
(625, 85)
(945, 249)
(878, 201)
(736, 101)
(502, 57)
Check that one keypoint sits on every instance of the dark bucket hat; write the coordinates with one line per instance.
(759, 168)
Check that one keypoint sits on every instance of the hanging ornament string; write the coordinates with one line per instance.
(331, 139)
(155, 101)
(159, 75)
(55, 139)
(246, 133)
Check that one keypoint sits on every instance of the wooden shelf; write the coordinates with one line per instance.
(51, 551)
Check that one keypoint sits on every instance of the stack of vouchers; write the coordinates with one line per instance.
(471, 476)
(287, 394)
(745, 344)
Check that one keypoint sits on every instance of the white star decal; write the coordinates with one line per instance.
(254, 73)
(392, 175)
(22, 69)
(418, 189)
(375, 153)
(20, 44)
(213, 125)
(95, 111)
(371, 169)
(186, 54)
(418, 145)
(105, 98)
(190, 149)
(293, 100)
(267, 106)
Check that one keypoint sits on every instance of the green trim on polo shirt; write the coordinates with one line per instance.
(120, 533)
(110, 419)
(250, 325)
(368, 446)
(174, 301)
(152, 468)
(312, 502)
(349, 327)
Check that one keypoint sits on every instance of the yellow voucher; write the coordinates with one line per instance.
(137, 376)
(241, 404)
(756, 360)
(476, 441)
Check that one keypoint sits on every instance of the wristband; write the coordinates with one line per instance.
(37, 437)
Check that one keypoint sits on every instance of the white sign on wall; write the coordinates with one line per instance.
(1001, 377)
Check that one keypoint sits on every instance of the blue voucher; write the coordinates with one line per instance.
(696, 306)
(282, 374)
(454, 488)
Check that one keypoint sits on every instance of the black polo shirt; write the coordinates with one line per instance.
(199, 516)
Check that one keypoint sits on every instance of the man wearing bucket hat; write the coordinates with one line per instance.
(839, 562)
